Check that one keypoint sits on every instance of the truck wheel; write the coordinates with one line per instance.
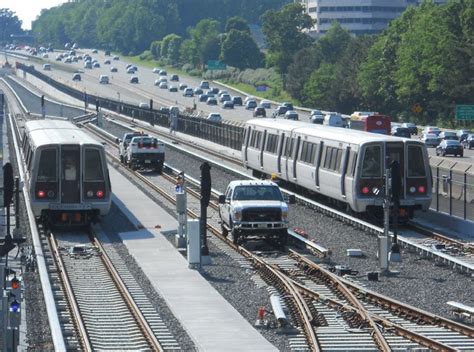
(235, 237)
(224, 230)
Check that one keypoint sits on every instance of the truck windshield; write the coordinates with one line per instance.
(257, 193)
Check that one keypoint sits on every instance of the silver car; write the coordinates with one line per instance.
(430, 139)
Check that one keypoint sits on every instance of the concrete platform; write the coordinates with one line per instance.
(211, 322)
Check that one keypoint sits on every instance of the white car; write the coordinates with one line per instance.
(156, 70)
(266, 104)
(430, 139)
(214, 117)
(163, 85)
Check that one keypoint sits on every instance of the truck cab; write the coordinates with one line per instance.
(254, 208)
(124, 142)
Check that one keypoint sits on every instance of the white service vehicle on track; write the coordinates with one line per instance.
(254, 208)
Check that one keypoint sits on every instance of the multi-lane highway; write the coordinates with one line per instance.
(120, 88)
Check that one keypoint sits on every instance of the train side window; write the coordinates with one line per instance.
(29, 158)
(338, 159)
(47, 166)
(304, 152)
(258, 138)
(372, 162)
(93, 165)
(327, 157)
(252, 138)
(333, 165)
(416, 164)
(272, 143)
(352, 162)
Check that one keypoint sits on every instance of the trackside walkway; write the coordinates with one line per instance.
(211, 322)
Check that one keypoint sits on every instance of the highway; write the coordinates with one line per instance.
(121, 88)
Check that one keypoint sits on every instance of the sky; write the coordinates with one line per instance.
(28, 10)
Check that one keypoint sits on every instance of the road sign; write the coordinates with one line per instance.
(216, 65)
(416, 108)
(465, 112)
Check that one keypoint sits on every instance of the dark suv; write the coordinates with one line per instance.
(449, 146)
(468, 142)
(401, 132)
(259, 111)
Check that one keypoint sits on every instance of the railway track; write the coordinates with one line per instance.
(96, 302)
(444, 249)
(329, 312)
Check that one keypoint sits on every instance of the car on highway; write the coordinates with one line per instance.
(113, 69)
(448, 135)
(173, 89)
(107, 62)
(228, 104)
(104, 79)
(468, 142)
(116, 58)
(96, 65)
(289, 106)
(450, 147)
(400, 131)
(162, 73)
(188, 92)
(432, 130)
(291, 115)
(45, 56)
(214, 117)
(174, 78)
(202, 97)
(259, 111)
(198, 91)
(213, 90)
(224, 97)
(222, 92)
(237, 100)
(130, 70)
(88, 64)
(156, 70)
(250, 104)
(462, 134)
(134, 79)
(144, 106)
(316, 117)
(266, 104)
(163, 85)
(76, 77)
(183, 86)
(211, 101)
(430, 139)
(94, 51)
(279, 111)
(411, 127)
(204, 85)
(47, 67)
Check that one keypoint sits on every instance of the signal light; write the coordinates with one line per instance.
(15, 283)
(365, 190)
(421, 189)
(99, 194)
(15, 306)
(40, 194)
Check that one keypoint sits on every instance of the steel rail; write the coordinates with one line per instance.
(399, 307)
(137, 314)
(71, 299)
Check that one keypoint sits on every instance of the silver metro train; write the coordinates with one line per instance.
(66, 173)
(342, 164)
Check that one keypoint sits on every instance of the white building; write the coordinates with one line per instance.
(357, 16)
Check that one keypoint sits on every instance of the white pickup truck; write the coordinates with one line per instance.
(142, 151)
(254, 208)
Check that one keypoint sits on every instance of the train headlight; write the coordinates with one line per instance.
(90, 194)
(99, 194)
(421, 189)
(412, 189)
(40, 194)
(376, 191)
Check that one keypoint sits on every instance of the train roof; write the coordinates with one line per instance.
(327, 132)
(47, 132)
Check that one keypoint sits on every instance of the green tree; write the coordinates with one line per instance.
(188, 52)
(240, 50)
(155, 49)
(284, 34)
(205, 37)
(319, 90)
(237, 23)
(9, 24)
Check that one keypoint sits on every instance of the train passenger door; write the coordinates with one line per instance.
(262, 146)
(395, 151)
(280, 151)
(70, 174)
(246, 144)
(295, 156)
(345, 162)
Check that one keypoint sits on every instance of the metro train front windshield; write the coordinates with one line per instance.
(257, 193)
